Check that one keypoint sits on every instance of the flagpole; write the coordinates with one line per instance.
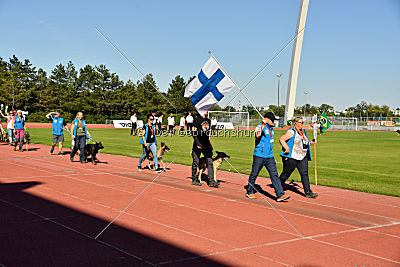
(240, 90)
(315, 163)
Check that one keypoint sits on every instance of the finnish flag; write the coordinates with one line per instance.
(209, 87)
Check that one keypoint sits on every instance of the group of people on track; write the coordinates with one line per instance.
(295, 146)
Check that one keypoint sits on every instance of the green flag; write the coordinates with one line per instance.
(324, 121)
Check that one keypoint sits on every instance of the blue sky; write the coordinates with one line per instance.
(350, 48)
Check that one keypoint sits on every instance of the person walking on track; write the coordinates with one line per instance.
(59, 124)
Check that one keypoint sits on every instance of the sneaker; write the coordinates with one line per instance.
(71, 159)
(15, 148)
(213, 184)
(196, 182)
(251, 196)
(311, 194)
(283, 198)
(51, 150)
(158, 170)
(139, 168)
(59, 153)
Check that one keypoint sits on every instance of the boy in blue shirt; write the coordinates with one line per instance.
(58, 130)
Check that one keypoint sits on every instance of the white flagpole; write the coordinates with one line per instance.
(235, 83)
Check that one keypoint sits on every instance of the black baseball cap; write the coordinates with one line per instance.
(270, 116)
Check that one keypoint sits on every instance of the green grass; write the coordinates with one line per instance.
(362, 161)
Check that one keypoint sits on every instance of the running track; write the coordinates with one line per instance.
(51, 210)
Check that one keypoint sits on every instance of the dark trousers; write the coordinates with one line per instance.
(289, 165)
(171, 129)
(159, 128)
(80, 143)
(207, 152)
(20, 141)
(133, 130)
(189, 127)
(270, 165)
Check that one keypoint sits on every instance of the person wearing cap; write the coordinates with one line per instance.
(18, 124)
(59, 124)
(263, 156)
(10, 129)
(295, 154)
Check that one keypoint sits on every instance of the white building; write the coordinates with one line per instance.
(396, 112)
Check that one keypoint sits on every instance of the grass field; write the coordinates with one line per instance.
(362, 161)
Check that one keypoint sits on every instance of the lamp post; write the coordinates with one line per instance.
(279, 81)
(305, 104)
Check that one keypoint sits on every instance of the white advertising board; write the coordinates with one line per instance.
(121, 124)
(225, 125)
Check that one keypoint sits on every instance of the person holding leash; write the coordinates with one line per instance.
(202, 144)
(59, 124)
(18, 125)
(79, 133)
(295, 154)
(149, 142)
(263, 156)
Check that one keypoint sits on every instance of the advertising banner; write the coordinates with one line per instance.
(125, 124)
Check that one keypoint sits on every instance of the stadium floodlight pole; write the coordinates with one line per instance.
(240, 90)
(133, 65)
(279, 75)
(266, 65)
(133, 200)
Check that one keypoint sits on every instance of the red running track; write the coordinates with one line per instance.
(51, 210)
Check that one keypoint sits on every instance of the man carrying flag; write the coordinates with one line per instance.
(325, 123)
(206, 90)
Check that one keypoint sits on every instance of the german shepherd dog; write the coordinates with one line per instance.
(217, 162)
(3, 135)
(27, 140)
(160, 155)
(92, 150)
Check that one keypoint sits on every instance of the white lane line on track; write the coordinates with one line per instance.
(152, 221)
(299, 239)
(74, 230)
(215, 196)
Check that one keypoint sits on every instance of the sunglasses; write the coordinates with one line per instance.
(300, 122)
(151, 119)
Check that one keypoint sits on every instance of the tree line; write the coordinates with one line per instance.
(94, 90)
(100, 94)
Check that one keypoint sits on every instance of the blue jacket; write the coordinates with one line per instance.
(19, 123)
(75, 122)
(264, 144)
(146, 127)
(58, 125)
(290, 143)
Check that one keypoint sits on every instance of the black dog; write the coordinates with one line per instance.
(92, 150)
(398, 131)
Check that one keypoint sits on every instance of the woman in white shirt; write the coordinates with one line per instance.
(171, 124)
(296, 154)
(10, 129)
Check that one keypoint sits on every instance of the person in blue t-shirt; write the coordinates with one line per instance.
(79, 134)
(263, 156)
(59, 124)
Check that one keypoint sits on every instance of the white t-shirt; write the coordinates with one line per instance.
(9, 122)
(159, 120)
(171, 121)
(213, 122)
(133, 119)
(189, 119)
(182, 121)
(298, 152)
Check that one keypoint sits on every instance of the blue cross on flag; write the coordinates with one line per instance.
(209, 87)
